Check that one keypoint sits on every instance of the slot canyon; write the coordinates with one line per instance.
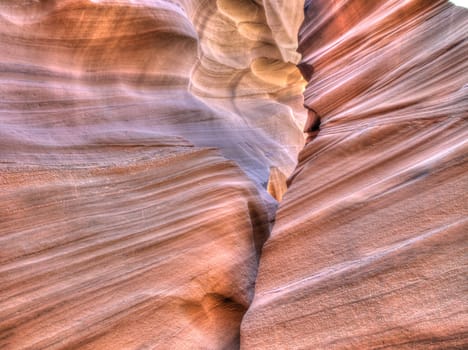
(233, 174)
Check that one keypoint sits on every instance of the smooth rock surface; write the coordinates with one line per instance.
(127, 250)
(120, 226)
(369, 246)
(218, 73)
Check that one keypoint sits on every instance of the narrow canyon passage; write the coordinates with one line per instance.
(143, 144)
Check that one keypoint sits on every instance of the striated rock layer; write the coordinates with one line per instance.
(120, 226)
(218, 73)
(369, 246)
(127, 250)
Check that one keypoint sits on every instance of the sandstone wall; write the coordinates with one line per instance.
(369, 246)
(120, 226)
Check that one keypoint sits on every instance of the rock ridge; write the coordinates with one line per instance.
(367, 250)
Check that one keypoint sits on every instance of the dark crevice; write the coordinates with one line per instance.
(312, 125)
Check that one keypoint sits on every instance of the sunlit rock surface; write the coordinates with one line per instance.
(218, 73)
(127, 250)
(369, 246)
(120, 226)
(139, 140)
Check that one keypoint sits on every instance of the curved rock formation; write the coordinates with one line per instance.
(139, 140)
(369, 246)
(213, 72)
(127, 250)
(117, 233)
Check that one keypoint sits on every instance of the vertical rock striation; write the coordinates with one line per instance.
(369, 246)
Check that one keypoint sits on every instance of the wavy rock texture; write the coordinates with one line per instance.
(369, 246)
(115, 232)
(212, 72)
(128, 250)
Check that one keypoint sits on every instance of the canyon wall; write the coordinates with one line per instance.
(217, 73)
(125, 248)
(369, 246)
(121, 227)
(142, 143)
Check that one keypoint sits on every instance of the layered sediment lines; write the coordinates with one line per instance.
(218, 73)
(127, 250)
(120, 226)
(369, 246)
